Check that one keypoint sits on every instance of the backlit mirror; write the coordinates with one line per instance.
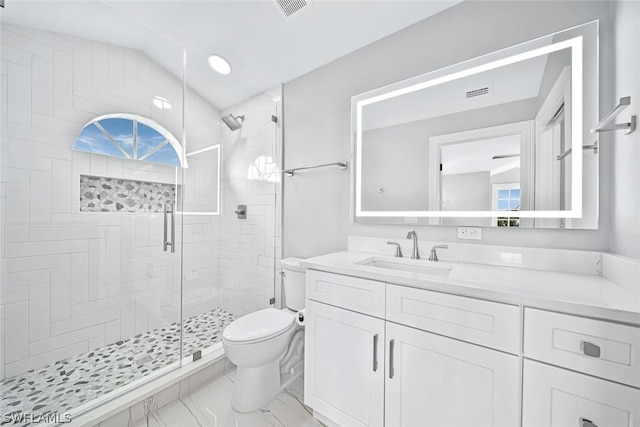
(488, 142)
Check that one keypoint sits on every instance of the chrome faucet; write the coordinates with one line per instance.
(434, 255)
(414, 253)
(398, 253)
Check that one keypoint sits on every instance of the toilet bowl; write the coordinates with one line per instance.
(257, 344)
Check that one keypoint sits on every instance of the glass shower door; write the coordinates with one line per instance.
(93, 154)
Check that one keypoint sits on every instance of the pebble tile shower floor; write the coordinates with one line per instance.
(66, 384)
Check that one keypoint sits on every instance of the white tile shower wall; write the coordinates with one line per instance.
(250, 248)
(74, 281)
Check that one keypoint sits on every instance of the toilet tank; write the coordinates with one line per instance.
(293, 278)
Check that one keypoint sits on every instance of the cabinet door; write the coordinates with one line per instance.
(344, 365)
(441, 382)
(556, 397)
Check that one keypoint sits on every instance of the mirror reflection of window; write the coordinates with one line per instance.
(506, 197)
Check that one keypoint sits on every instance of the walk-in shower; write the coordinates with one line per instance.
(97, 177)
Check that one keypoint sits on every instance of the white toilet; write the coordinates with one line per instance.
(267, 345)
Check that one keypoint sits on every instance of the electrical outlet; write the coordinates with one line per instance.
(470, 233)
(410, 220)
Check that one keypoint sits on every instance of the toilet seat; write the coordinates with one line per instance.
(258, 326)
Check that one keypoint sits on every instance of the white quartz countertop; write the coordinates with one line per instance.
(580, 294)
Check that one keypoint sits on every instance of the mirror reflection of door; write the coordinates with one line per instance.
(485, 169)
(552, 152)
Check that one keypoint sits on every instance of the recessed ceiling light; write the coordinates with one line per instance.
(162, 103)
(219, 64)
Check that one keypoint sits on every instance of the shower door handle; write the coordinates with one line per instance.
(168, 210)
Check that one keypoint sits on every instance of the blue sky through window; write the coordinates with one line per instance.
(166, 156)
(148, 138)
(93, 140)
(508, 199)
(121, 130)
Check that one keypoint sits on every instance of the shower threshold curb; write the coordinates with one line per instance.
(167, 377)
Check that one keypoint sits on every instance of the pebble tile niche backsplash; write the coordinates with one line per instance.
(102, 194)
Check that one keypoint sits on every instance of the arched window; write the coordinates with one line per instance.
(130, 136)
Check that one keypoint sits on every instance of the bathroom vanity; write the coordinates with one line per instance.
(495, 336)
(400, 342)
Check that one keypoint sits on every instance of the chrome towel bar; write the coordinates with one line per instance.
(629, 126)
(341, 165)
(593, 147)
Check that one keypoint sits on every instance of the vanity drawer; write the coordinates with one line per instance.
(486, 323)
(596, 347)
(361, 295)
(556, 397)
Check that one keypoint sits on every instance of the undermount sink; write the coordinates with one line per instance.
(410, 266)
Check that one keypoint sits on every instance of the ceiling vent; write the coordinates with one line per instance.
(289, 8)
(477, 92)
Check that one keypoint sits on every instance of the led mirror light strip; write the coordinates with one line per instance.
(575, 44)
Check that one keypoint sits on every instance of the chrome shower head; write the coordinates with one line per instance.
(234, 123)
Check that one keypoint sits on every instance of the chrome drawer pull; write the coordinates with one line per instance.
(590, 349)
(391, 343)
(586, 423)
(375, 352)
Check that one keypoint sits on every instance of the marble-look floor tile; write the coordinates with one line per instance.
(210, 406)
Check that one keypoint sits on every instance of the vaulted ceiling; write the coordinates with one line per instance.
(264, 48)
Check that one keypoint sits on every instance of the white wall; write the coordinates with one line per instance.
(71, 282)
(625, 186)
(250, 248)
(317, 114)
(405, 188)
(467, 192)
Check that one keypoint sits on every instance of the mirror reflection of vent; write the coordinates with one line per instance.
(291, 7)
(477, 92)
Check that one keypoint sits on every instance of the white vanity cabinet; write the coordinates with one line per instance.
(599, 386)
(380, 354)
(365, 370)
(437, 381)
(344, 365)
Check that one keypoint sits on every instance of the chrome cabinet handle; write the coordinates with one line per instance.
(590, 349)
(391, 344)
(586, 423)
(375, 352)
(168, 210)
